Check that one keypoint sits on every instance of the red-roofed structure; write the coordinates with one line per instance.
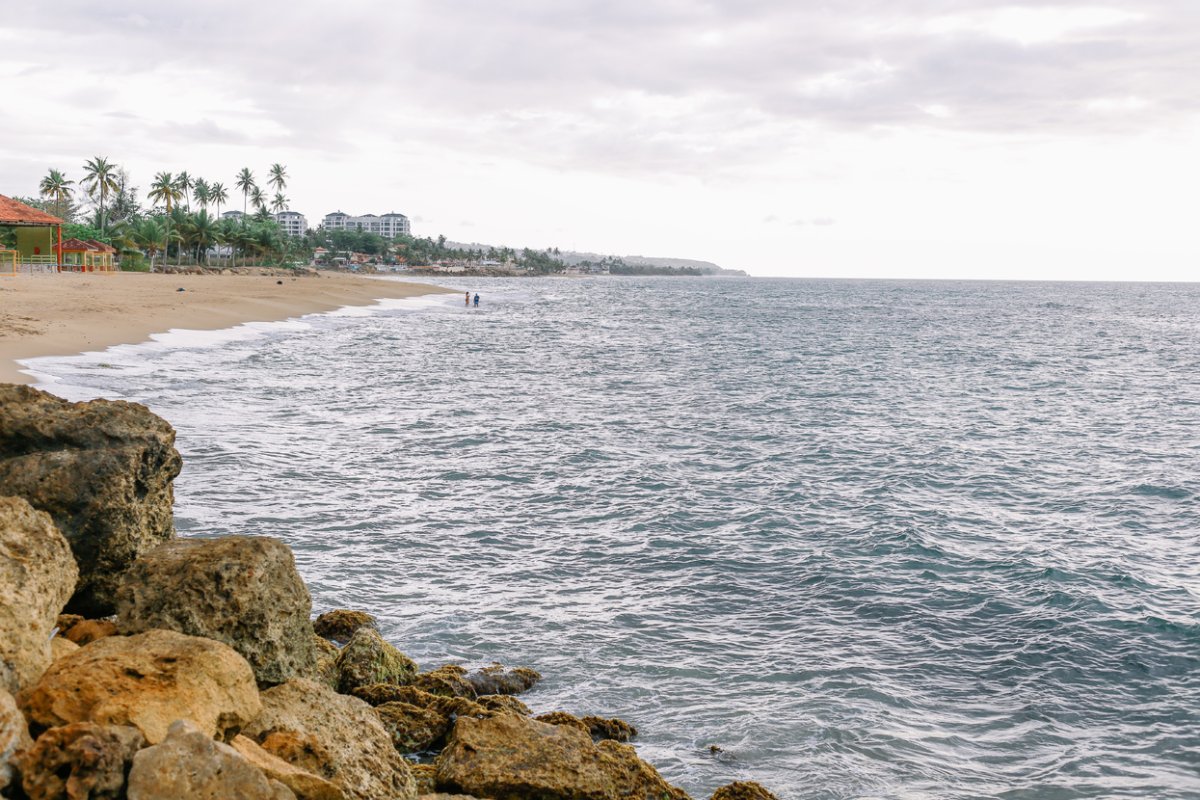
(79, 255)
(38, 234)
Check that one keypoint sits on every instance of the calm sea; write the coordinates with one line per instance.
(870, 539)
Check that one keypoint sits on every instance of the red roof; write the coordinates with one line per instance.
(14, 212)
(101, 246)
(79, 245)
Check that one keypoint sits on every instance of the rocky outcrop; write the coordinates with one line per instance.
(14, 736)
(86, 631)
(368, 659)
(495, 679)
(413, 729)
(60, 647)
(425, 776)
(240, 590)
(503, 704)
(147, 681)
(37, 576)
(337, 737)
(103, 470)
(510, 756)
(449, 680)
(340, 624)
(189, 765)
(325, 668)
(609, 728)
(743, 790)
(83, 760)
(563, 718)
(304, 784)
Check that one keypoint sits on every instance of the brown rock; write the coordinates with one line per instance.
(604, 728)
(189, 765)
(413, 729)
(450, 707)
(240, 590)
(743, 790)
(335, 736)
(14, 736)
(341, 624)
(325, 669)
(377, 694)
(82, 760)
(510, 756)
(60, 647)
(503, 704)
(563, 718)
(147, 681)
(438, 796)
(368, 659)
(87, 631)
(37, 576)
(103, 470)
(304, 784)
(65, 621)
(495, 679)
(425, 776)
(449, 680)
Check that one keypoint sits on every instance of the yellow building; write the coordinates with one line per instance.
(38, 237)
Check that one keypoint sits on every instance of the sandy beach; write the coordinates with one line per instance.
(50, 315)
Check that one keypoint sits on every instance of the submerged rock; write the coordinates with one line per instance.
(240, 590)
(304, 784)
(340, 624)
(449, 680)
(334, 736)
(743, 790)
(37, 577)
(510, 756)
(368, 659)
(82, 760)
(605, 728)
(148, 681)
(103, 470)
(413, 729)
(189, 765)
(495, 679)
(14, 736)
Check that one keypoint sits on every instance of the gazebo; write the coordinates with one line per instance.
(38, 234)
(80, 255)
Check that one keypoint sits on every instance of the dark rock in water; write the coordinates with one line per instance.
(14, 736)
(495, 679)
(743, 790)
(326, 670)
(102, 470)
(563, 718)
(334, 736)
(340, 624)
(503, 704)
(37, 576)
(87, 631)
(189, 764)
(240, 590)
(616, 729)
(507, 756)
(368, 659)
(83, 760)
(449, 680)
(413, 729)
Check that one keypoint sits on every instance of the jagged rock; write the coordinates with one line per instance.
(413, 729)
(510, 756)
(425, 776)
(341, 624)
(377, 694)
(503, 704)
(495, 679)
(381, 694)
(87, 631)
(60, 647)
(37, 576)
(189, 765)
(743, 790)
(240, 590)
(14, 736)
(449, 680)
(563, 718)
(82, 760)
(335, 736)
(65, 621)
(103, 470)
(304, 784)
(325, 669)
(147, 681)
(604, 728)
(368, 659)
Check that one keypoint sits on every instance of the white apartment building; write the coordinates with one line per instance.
(388, 226)
(292, 223)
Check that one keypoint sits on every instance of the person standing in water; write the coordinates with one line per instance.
(477, 299)
(468, 298)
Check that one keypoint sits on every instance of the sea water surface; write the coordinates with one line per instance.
(869, 539)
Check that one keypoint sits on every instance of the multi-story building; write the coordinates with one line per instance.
(388, 226)
(292, 223)
(236, 216)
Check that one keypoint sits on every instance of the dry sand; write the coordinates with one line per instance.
(52, 315)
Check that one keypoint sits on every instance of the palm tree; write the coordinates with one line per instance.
(203, 192)
(245, 182)
(100, 176)
(259, 198)
(278, 179)
(150, 235)
(165, 189)
(56, 187)
(185, 185)
(219, 195)
(204, 233)
(279, 202)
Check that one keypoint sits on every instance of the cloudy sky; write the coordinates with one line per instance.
(889, 138)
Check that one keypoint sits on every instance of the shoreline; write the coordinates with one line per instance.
(72, 313)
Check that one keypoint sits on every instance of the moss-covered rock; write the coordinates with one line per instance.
(368, 659)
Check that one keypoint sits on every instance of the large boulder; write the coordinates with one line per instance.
(37, 576)
(304, 784)
(14, 736)
(103, 470)
(340, 624)
(413, 729)
(368, 659)
(240, 590)
(147, 681)
(189, 765)
(83, 760)
(496, 679)
(334, 736)
(449, 680)
(511, 756)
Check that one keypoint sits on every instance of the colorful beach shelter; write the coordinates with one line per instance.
(38, 234)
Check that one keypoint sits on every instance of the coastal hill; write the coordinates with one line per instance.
(574, 258)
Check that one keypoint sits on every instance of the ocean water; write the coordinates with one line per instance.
(870, 539)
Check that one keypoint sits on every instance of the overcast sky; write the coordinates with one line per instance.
(857, 138)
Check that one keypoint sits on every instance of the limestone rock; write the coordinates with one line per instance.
(189, 765)
(37, 576)
(148, 681)
(368, 659)
(377, 694)
(413, 729)
(103, 470)
(563, 718)
(60, 647)
(341, 624)
(337, 737)
(743, 790)
(511, 756)
(503, 704)
(14, 736)
(605, 728)
(425, 776)
(65, 621)
(240, 590)
(87, 631)
(381, 694)
(325, 668)
(449, 680)
(305, 785)
(495, 679)
(82, 760)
